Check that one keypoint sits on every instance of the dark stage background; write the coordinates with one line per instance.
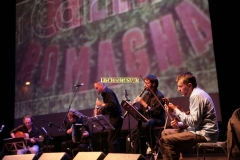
(225, 49)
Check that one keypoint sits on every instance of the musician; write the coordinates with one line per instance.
(202, 119)
(31, 134)
(150, 107)
(76, 139)
(111, 107)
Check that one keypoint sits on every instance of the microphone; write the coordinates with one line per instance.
(126, 96)
(44, 130)
(78, 85)
(2, 128)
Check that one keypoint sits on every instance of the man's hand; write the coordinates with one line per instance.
(85, 134)
(140, 100)
(97, 110)
(174, 123)
(166, 100)
(171, 107)
(69, 131)
(99, 103)
(32, 140)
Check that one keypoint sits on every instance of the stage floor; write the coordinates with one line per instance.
(194, 157)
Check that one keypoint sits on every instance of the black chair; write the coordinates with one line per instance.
(209, 146)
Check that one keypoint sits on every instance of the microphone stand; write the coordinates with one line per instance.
(47, 138)
(63, 123)
(127, 114)
(50, 124)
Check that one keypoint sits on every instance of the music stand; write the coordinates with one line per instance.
(14, 144)
(133, 111)
(138, 116)
(101, 123)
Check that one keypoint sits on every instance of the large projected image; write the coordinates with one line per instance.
(61, 43)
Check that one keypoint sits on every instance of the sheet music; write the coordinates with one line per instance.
(134, 112)
(100, 122)
(77, 113)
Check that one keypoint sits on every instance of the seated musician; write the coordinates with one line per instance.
(76, 139)
(202, 119)
(151, 109)
(30, 133)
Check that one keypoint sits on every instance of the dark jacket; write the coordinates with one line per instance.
(233, 136)
(156, 112)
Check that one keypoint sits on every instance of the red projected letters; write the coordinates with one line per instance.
(49, 69)
(77, 68)
(29, 63)
(165, 40)
(106, 60)
(135, 53)
(196, 24)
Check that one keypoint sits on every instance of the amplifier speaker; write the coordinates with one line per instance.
(90, 156)
(124, 156)
(55, 156)
(21, 157)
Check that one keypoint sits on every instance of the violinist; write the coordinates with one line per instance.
(150, 108)
(31, 134)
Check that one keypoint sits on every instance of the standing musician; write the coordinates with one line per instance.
(110, 106)
(30, 133)
(202, 119)
(150, 107)
(77, 131)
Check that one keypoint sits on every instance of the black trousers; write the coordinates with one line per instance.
(136, 141)
(113, 135)
(71, 144)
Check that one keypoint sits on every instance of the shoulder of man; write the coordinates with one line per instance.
(35, 128)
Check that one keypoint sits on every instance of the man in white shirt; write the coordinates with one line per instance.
(202, 120)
